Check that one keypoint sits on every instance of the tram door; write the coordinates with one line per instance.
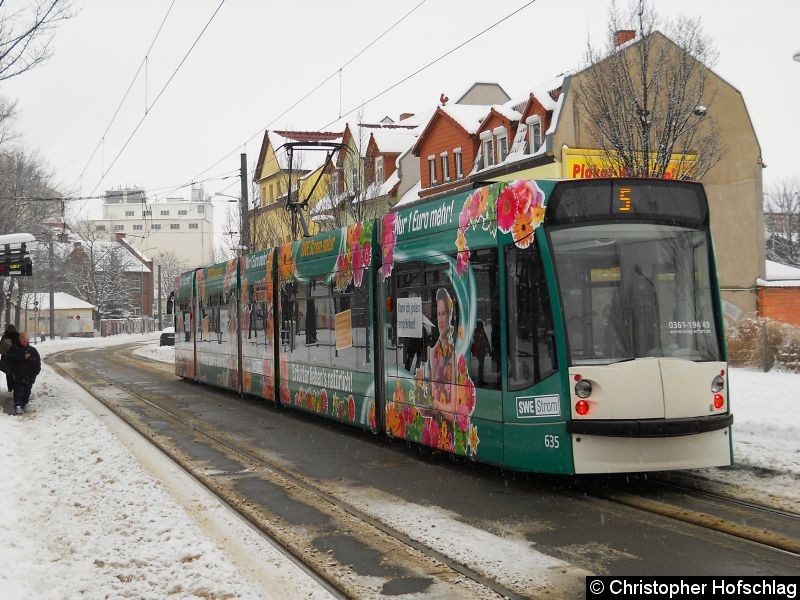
(534, 407)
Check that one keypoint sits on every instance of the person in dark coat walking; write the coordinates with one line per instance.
(10, 337)
(24, 361)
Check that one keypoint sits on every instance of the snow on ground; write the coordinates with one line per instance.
(155, 352)
(85, 514)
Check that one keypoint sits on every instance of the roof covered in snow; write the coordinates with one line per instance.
(61, 301)
(393, 140)
(780, 275)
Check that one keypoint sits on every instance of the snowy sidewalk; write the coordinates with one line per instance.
(88, 508)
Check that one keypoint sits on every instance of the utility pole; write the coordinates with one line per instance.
(244, 226)
(160, 323)
(52, 289)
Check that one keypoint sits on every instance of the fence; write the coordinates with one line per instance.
(764, 344)
(117, 326)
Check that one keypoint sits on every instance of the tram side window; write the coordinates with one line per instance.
(186, 310)
(417, 287)
(411, 351)
(294, 301)
(484, 365)
(531, 343)
(319, 323)
(361, 328)
(343, 301)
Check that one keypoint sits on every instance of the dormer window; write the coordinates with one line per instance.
(445, 167)
(502, 143)
(487, 145)
(534, 133)
(432, 169)
(459, 163)
(379, 170)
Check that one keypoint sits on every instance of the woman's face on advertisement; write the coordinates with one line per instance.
(442, 316)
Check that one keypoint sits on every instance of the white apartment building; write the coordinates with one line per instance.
(183, 227)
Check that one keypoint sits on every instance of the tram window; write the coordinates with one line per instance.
(531, 344)
(484, 365)
(361, 329)
(414, 352)
(294, 322)
(320, 336)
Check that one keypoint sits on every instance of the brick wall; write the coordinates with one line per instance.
(780, 303)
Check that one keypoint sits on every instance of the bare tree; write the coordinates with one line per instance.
(25, 205)
(229, 248)
(96, 273)
(26, 34)
(357, 195)
(782, 220)
(170, 270)
(651, 100)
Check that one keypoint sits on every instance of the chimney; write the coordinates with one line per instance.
(404, 116)
(622, 36)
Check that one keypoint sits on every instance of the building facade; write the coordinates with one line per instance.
(184, 228)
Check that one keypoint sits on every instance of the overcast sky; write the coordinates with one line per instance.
(258, 58)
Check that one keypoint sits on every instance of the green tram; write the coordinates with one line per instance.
(549, 326)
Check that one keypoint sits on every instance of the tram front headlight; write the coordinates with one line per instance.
(717, 384)
(583, 389)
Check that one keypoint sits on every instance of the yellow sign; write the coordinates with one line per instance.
(344, 330)
(580, 163)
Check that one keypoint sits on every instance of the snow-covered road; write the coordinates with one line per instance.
(89, 509)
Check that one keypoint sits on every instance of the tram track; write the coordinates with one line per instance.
(450, 577)
(765, 525)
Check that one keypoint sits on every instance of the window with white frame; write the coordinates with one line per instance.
(182, 212)
(174, 226)
(155, 226)
(488, 153)
(128, 213)
(164, 213)
(502, 148)
(119, 227)
(534, 132)
(432, 168)
(100, 227)
(379, 169)
(147, 213)
(445, 167)
(459, 163)
(194, 226)
(201, 210)
(137, 227)
(501, 137)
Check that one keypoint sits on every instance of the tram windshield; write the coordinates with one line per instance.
(634, 290)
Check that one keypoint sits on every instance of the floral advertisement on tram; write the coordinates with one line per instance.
(327, 362)
(442, 340)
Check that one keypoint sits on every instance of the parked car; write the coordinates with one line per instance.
(167, 337)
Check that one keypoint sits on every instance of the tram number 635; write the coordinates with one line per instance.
(550, 441)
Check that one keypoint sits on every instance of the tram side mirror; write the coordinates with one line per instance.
(170, 303)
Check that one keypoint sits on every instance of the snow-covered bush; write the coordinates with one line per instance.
(759, 342)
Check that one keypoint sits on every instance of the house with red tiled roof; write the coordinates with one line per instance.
(448, 146)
